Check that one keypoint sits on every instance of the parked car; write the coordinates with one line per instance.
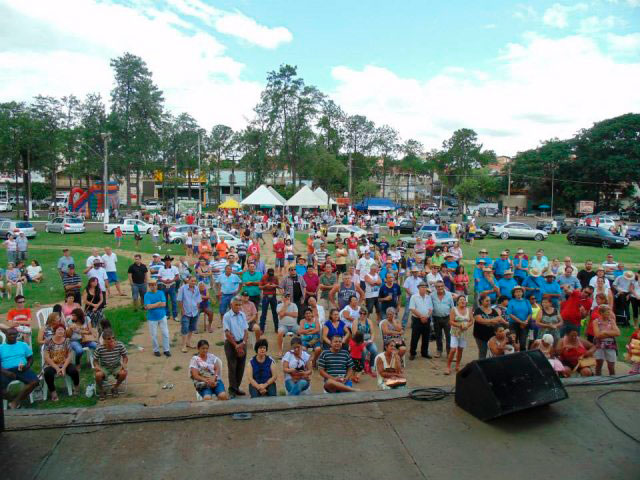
(151, 204)
(451, 211)
(14, 227)
(231, 240)
(442, 239)
(489, 212)
(64, 225)
(5, 206)
(127, 226)
(599, 237)
(603, 222)
(431, 211)
(486, 228)
(633, 232)
(517, 230)
(407, 227)
(345, 231)
(178, 233)
(613, 215)
(544, 225)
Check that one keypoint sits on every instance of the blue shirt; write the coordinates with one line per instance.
(553, 287)
(500, 266)
(190, 300)
(506, 286)
(14, 355)
(521, 308)
(301, 270)
(451, 265)
(229, 285)
(534, 284)
(488, 261)
(519, 264)
(158, 313)
(383, 272)
(482, 285)
(571, 280)
(248, 277)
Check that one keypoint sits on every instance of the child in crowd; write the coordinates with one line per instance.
(356, 349)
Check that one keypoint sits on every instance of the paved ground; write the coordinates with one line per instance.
(401, 438)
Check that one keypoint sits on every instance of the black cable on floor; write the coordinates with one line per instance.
(619, 428)
(430, 394)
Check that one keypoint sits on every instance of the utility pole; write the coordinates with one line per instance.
(350, 174)
(199, 177)
(175, 188)
(105, 178)
(232, 178)
(509, 193)
(553, 171)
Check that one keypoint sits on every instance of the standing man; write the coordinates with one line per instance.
(64, 261)
(155, 303)
(230, 285)
(95, 254)
(442, 302)
(189, 299)
(251, 283)
(168, 275)
(72, 283)
(22, 243)
(155, 266)
(109, 260)
(420, 306)
(410, 286)
(269, 285)
(586, 274)
(352, 248)
(138, 277)
(279, 250)
(236, 334)
(363, 266)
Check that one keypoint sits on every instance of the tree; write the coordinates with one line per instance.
(70, 136)
(93, 123)
(366, 188)
(332, 126)
(387, 144)
(136, 117)
(479, 184)
(359, 135)
(461, 154)
(219, 145)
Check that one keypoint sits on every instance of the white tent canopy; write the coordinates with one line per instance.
(262, 196)
(305, 198)
(277, 195)
(322, 195)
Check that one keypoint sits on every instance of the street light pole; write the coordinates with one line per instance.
(199, 178)
(105, 178)
(509, 193)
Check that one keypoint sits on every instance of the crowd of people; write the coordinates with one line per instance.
(335, 309)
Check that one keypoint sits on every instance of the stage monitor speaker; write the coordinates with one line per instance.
(498, 386)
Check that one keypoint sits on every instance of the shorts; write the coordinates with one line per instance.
(341, 268)
(112, 277)
(288, 329)
(458, 342)
(188, 324)
(138, 290)
(348, 383)
(26, 376)
(608, 354)
(225, 302)
(280, 262)
(111, 373)
(312, 341)
(208, 391)
(373, 303)
(290, 258)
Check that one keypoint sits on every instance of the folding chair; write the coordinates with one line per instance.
(42, 316)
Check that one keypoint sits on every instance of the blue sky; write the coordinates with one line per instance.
(518, 73)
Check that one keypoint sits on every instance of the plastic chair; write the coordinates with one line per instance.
(42, 316)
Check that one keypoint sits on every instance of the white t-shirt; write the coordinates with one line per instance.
(101, 275)
(594, 281)
(432, 279)
(33, 271)
(354, 313)
(110, 262)
(363, 266)
(295, 362)
(288, 321)
(371, 291)
(411, 284)
(167, 273)
(91, 259)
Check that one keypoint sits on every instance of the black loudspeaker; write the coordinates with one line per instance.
(498, 386)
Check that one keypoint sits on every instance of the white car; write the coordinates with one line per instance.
(431, 211)
(345, 232)
(5, 206)
(517, 230)
(231, 240)
(64, 225)
(602, 222)
(442, 239)
(179, 233)
(128, 226)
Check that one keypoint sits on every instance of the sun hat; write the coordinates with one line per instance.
(547, 339)
(629, 275)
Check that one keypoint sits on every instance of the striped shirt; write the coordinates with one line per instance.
(242, 249)
(71, 280)
(335, 364)
(218, 268)
(110, 358)
(321, 255)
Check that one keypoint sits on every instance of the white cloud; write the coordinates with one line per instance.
(489, 26)
(241, 26)
(540, 88)
(524, 12)
(558, 15)
(633, 3)
(595, 24)
(624, 44)
(58, 48)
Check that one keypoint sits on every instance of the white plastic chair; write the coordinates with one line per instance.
(42, 316)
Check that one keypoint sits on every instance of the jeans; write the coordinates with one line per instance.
(256, 301)
(170, 292)
(296, 388)
(483, 347)
(188, 324)
(235, 366)
(78, 348)
(271, 391)
(50, 375)
(405, 315)
(269, 301)
(419, 331)
(225, 302)
(372, 349)
(138, 290)
(164, 329)
(521, 334)
(441, 324)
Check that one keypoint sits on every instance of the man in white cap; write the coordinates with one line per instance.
(410, 286)
(155, 266)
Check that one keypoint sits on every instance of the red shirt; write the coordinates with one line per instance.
(190, 219)
(21, 316)
(570, 308)
(352, 243)
(312, 282)
(279, 249)
(355, 349)
(253, 248)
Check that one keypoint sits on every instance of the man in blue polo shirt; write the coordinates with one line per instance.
(521, 266)
(16, 358)
(507, 284)
(484, 254)
(501, 265)
(155, 303)
(487, 286)
(519, 316)
(230, 284)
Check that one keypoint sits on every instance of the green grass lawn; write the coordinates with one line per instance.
(125, 322)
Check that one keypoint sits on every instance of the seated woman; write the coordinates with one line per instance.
(310, 334)
(392, 330)
(572, 350)
(332, 327)
(34, 272)
(363, 325)
(545, 345)
(58, 360)
(605, 332)
(296, 365)
(45, 333)
(262, 378)
(502, 343)
(15, 280)
(204, 369)
(81, 334)
(69, 306)
(389, 367)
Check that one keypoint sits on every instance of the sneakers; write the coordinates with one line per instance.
(166, 354)
(157, 354)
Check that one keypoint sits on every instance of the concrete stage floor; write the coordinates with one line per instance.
(385, 437)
